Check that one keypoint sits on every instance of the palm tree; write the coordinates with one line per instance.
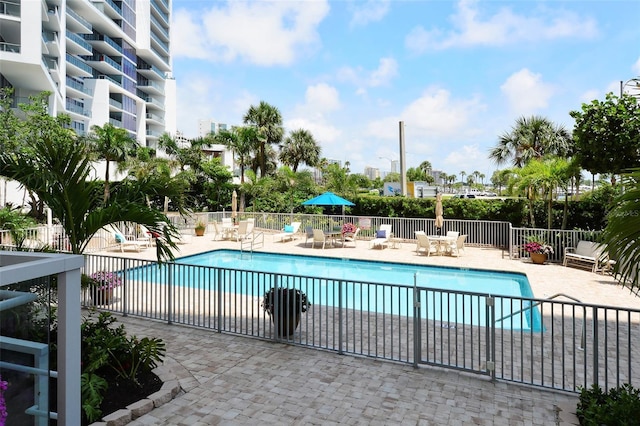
(56, 166)
(300, 147)
(242, 142)
(530, 138)
(111, 143)
(426, 167)
(268, 122)
(462, 175)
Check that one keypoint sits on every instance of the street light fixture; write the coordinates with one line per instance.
(390, 163)
(636, 85)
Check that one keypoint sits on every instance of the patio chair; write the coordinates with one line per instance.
(350, 237)
(425, 244)
(456, 248)
(290, 232)
(242, 232)
(383, 234)
(218, 232)
(309, 234)
(320, 237)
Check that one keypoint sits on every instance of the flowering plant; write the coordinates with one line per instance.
(538, 247)
(348, 228)
(103, 280)
(3, 405)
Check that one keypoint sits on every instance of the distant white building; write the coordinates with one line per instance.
(372, 172)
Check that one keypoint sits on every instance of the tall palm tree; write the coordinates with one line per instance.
(462, 175)
(242, 142)
(529, 138)
(268, 122)
(300, 147)
(111, 143)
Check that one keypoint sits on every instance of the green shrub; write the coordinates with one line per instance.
(619, 406)
(107, 352)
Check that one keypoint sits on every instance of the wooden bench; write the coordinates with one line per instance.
(586, 254)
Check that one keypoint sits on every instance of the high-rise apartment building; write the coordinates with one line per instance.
(104, 61)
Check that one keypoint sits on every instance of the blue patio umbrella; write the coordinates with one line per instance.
(328, 199)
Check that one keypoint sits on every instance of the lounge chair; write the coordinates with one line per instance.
(586, 254)
(382, 237)
(350, 237)
(425, 244)
(320, 237)
(127, 243)
(290, 232)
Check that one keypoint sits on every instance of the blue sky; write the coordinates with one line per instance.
(457, 73)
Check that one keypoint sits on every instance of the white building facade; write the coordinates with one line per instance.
(103, 61)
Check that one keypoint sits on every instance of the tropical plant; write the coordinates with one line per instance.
(529, 138)
(103, 280)
(111, 143)
(607, 135)
(287, 299)
(55, 165)
(537, 247)
(267, 121)
(107, 351)
(3, 406)
(618, 406)
(300, 148)
(622, 233)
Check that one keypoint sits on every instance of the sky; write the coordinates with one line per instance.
(457, 73)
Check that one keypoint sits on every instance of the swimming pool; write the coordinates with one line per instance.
(454, 294)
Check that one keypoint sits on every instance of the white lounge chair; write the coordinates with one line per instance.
(243, 231)
(290, 232)
(126, 243)
(425, 244)
(382, 237)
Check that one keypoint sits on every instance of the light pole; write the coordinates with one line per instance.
(390, 163)
(623, 84)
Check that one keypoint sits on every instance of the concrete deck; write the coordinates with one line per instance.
(236, 380)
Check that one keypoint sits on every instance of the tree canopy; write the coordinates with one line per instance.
(607, 134)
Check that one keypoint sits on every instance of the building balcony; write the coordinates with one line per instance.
(77, 45)
(10, 8)
(77, 67)
(104, 64)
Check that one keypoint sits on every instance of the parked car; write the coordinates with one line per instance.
(464, 196)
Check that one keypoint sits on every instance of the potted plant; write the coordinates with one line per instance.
(101, 285)
(200, 228)
(538, 250)
(285, 306)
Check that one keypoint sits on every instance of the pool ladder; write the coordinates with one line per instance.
(253, 240)
(555, 296)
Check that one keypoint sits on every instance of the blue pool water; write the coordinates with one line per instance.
(361, 294)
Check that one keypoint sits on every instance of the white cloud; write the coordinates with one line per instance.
(526, 92)
(434, 117)
(262, 33)
(363, 79)
(502, 28)
(320, 99)
(368, 11)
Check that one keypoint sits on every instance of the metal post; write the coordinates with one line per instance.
(403, 162)
(340, 325)
(417, 332)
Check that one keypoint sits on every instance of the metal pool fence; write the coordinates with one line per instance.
(543, 342)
